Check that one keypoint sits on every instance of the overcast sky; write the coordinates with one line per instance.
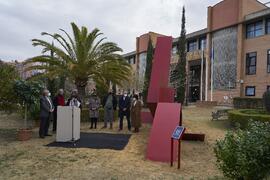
(120, 20)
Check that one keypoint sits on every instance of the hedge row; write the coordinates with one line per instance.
(241, 117)
(85, 115)
(248, 103)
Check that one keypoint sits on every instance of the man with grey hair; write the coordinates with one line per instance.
(46, 108)
(59, 100)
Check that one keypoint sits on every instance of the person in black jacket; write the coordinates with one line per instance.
(124, 110)
(109, 104)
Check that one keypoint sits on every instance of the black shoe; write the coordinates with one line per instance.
(120, 129)
(48, 135)
(104, 127)
(91, 127)
(42, 137)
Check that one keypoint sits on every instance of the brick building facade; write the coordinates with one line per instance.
(229, 58)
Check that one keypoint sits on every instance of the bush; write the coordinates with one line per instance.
(247, 103)
(8, 75)
(85, 115)
(266, 101)
(242, 116)
(245, 154)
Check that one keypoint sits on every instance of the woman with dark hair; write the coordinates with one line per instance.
(136, 108)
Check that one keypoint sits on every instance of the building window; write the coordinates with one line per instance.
(251, 63)
(192, 46)
(132, 60)
(250, 91)
(267, 26)
(268, 61)
(268, 88)
(174, 50)
(254, 29)
(202, 44)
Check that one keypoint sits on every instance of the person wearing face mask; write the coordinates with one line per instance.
(124, 110)
(46, 108)
(109, 104)
(74, 100)
(58, 100)
(94, 104)
(136, 108)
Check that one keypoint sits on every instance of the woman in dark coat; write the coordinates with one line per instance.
(136, 108)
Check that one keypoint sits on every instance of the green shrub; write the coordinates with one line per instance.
(266, 101)
(85, 115)
(247, 103)
(242, 116)
(245, 154)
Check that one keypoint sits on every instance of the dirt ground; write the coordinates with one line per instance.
(33, 160)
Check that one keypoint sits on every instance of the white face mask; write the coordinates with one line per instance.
(134, 99)
(125, 94)
(49, 94)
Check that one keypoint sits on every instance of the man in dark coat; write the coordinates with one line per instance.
(59, 100)
(46, 108)
(109, 104)
(124, 110)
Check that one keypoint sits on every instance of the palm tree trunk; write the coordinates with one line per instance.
(25, 117)
(81, 91)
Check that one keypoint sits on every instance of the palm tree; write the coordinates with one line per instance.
(83, 57)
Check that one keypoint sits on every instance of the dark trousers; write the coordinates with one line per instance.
(44, 126)
(94, 122)
(121, 116)
(54, 120)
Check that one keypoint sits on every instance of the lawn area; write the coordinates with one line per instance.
(33, 160)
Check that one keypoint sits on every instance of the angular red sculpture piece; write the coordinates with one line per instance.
(160, 71)
(166, 119)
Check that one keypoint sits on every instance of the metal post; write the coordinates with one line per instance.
(212, 66)
(201, 83)
(179, 150)
(206, 80)
(171, 152)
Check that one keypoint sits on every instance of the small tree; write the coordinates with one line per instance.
(179, 73)
(148, 70)
(8, 75)
(245, 154)
(28, 93)
(266, 100)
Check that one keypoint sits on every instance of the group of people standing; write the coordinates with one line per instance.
(48, 107)
(128, 106)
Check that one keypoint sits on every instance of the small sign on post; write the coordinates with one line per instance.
(177, 135)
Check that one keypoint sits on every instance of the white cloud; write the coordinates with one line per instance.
(120, 20)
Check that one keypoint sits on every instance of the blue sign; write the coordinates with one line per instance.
(177, 133)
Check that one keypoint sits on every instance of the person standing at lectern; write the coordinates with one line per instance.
(94, 104)
(58, 100)
(136, 107)
(74, 100)
(124, 110)
(46, 109)
(109, 104)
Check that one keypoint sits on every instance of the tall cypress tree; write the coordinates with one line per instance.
(149, 59)
(179, 74)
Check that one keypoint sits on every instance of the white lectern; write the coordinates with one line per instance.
(68, 124)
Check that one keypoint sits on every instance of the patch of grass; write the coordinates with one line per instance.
(8, 135)
(6, 160)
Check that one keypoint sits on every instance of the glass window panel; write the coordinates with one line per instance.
(250, 91)
(254, 29)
